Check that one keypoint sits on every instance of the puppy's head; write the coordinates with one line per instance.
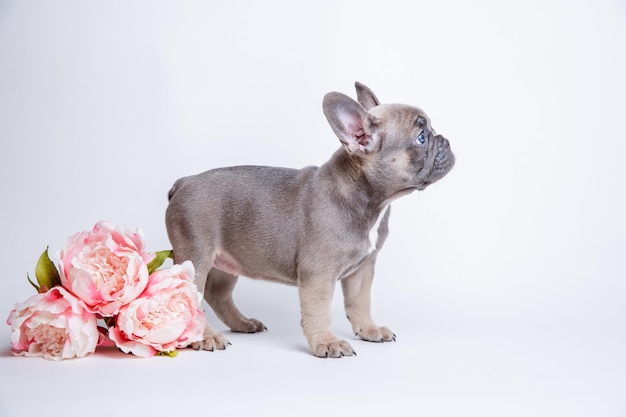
(395, 144)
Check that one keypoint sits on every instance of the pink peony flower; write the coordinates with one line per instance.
(55, 325)
(106, 268)
(165, 317)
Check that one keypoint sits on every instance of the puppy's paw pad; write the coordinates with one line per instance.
(249, 326)
(211, 342)
(376, 334)
(334, 349)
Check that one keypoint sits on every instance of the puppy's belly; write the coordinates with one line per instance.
(227, 263)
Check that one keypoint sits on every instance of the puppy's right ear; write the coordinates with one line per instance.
(356, 128)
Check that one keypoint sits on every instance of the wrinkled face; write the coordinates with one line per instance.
(412, 154)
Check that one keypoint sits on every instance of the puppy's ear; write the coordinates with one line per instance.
(356, 128)
(365, 96)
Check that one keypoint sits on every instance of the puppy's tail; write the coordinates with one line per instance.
(173, 190)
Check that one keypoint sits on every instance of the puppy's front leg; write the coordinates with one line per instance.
(315, 302)
(357, 301)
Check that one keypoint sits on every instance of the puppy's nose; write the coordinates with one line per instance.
(442, 142)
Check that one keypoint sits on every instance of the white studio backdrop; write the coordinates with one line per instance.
(103, 105)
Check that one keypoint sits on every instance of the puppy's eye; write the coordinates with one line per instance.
(421, 138)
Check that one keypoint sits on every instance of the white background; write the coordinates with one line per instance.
(505, 282)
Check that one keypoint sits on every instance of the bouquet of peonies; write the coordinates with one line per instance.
(109, 292)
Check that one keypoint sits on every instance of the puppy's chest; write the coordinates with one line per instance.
(371, 244)
(373, 236)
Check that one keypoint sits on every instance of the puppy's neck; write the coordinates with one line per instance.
(352, 185)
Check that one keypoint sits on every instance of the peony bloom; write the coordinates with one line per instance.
(106, 268)
(165, 317)
(55, 325)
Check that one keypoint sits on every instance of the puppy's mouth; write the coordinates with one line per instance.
(443, 161)
(445, 158)
(441, 165)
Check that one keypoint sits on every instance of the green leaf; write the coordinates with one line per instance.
(46, 273)
(158, 260)
(35, 286)
(170, 354)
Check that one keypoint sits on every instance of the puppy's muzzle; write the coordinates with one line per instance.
(445, 157)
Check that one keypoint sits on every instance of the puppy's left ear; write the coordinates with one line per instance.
(356, 128)
(365, 96)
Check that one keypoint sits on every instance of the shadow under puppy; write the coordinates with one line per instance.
(310, 227)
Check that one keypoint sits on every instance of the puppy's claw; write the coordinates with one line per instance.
(334, 349)
(211, 341)
(248, 326)
(376, 334)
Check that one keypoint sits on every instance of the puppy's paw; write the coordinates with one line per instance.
(335, 348)
(249, 326)
(211, 341)
(376, 334)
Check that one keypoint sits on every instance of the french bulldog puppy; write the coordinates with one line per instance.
(310, 227)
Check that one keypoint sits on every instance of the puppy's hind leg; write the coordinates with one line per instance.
(219, 294)
(202, 261)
